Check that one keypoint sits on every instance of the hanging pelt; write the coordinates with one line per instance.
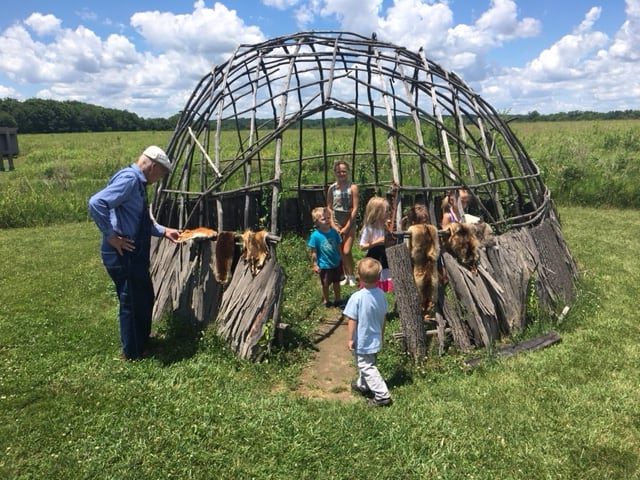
(461, 242)
(255, 249)
(224, 253)
(424, 248)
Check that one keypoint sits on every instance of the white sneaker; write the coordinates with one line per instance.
(352, 281)
(344, 281)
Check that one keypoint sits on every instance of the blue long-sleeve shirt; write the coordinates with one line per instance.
(117, 209)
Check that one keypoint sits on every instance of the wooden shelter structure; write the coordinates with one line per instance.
(255, 145)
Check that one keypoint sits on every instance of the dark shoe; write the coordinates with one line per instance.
(328, 304)
(380, 402)
(365, 392)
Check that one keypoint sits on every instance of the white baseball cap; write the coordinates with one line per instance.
(157, 155)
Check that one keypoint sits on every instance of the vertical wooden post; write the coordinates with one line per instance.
(408, 301)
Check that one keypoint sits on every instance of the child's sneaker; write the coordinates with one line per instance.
(379, 402)
(365, 392)
(344, 281)
(352, 281)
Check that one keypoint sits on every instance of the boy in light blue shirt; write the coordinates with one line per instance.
(366, 310)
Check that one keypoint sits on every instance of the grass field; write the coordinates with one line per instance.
(70, 409)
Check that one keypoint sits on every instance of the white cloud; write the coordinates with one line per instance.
(583, 70)
(502, 21)
(565, 59)
(358, 16)
(208, 31)
(9, 92)
(86, 14)
(280, 4)
(415, 23)
(626, 45)
(43, 24)
(78, 64)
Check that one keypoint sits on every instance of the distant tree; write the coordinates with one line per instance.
(7, 120)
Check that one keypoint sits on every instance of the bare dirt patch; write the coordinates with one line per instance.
(328, 376)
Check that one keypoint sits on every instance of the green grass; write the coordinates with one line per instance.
(70, 409)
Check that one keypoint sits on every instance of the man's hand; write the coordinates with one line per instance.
(172, 234)
(121, 244)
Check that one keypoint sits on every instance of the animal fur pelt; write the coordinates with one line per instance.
(255, 249)
(424, 248)
(415, 215)
(224, 253)
(196, 233)
(461, 242)
(484, 233)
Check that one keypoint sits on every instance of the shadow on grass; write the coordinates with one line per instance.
(176, 340)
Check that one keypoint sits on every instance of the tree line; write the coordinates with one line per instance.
(52, 116)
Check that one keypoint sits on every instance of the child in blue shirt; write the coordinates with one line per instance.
(366, 310)
(324, 243)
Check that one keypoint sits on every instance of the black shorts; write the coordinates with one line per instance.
(331, 275)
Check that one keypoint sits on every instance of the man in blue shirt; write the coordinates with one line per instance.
(121, 213)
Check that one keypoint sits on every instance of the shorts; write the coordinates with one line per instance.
(340, 218)
(331, 275)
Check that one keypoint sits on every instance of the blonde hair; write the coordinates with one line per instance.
(376, 211)
(337, 163)
(369, 270)
(318, 212)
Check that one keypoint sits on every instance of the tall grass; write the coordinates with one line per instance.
(587, 163)
(55, 174)
(69, 408)
(593, 163)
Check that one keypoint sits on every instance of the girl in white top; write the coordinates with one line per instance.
(373, 237)
(342, 203)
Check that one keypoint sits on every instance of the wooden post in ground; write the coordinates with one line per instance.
(408, 301)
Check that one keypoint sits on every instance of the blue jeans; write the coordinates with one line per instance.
(130, 274)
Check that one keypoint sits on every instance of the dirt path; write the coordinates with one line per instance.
(330, 373)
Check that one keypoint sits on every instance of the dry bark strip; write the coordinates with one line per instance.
(250, 309)
(184, 282)
(531, 345)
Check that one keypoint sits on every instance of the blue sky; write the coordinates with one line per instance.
(147, 56)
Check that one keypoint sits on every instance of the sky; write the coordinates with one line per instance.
(148, 56)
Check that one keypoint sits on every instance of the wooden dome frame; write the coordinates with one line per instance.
(241, 155)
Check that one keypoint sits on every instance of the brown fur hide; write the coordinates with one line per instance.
(225, 250)
(484, 233)
(199, 233)
(255, 249)
(415, 215)
(461, 242)
(424, 248)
